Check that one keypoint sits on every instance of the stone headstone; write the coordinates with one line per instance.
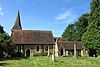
(75, 50)
(53, 56)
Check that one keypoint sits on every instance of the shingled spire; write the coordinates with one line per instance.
(17, 24)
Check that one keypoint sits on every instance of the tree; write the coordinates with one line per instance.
(1, 40)
(91, 38)
(68, 33)
(81, 26)
(75, 31)
(1, 29)
(5, 42)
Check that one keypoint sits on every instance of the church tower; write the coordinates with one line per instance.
(17, 25)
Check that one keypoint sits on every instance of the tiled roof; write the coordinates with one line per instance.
(32, 37)
(69, 44)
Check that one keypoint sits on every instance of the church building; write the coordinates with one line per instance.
(30, 41)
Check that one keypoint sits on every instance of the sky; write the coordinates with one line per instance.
(50, 15)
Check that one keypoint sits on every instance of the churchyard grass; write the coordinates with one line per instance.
(43, 61)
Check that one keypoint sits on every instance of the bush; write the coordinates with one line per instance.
(98, 51)
(1, 54)
(13, 54)
(40, 54)
(19, 54)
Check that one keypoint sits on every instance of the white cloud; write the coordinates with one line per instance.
(1, 12)
(66, 16)
(0, 9)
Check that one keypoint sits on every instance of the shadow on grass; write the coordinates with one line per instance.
(3, 64)
(6, 58)
(13, 58)
(60, 61)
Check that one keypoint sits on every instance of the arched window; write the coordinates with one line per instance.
(37, 48)
(46, 48)
(27, 53)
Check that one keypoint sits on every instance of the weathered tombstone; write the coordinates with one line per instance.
(66, 53)
(74, 50)
(81, 52)
(48, 51)
(98, 57)
(56, 49)
(53, 56)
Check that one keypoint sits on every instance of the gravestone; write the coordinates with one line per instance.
(74, 50)
(53, 56)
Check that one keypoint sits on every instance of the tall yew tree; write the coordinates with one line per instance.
(75, 31)
(91, 38)
(68, 33)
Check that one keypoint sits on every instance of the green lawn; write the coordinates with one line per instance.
(46, 62)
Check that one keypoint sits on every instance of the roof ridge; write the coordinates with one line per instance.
(35, 30)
